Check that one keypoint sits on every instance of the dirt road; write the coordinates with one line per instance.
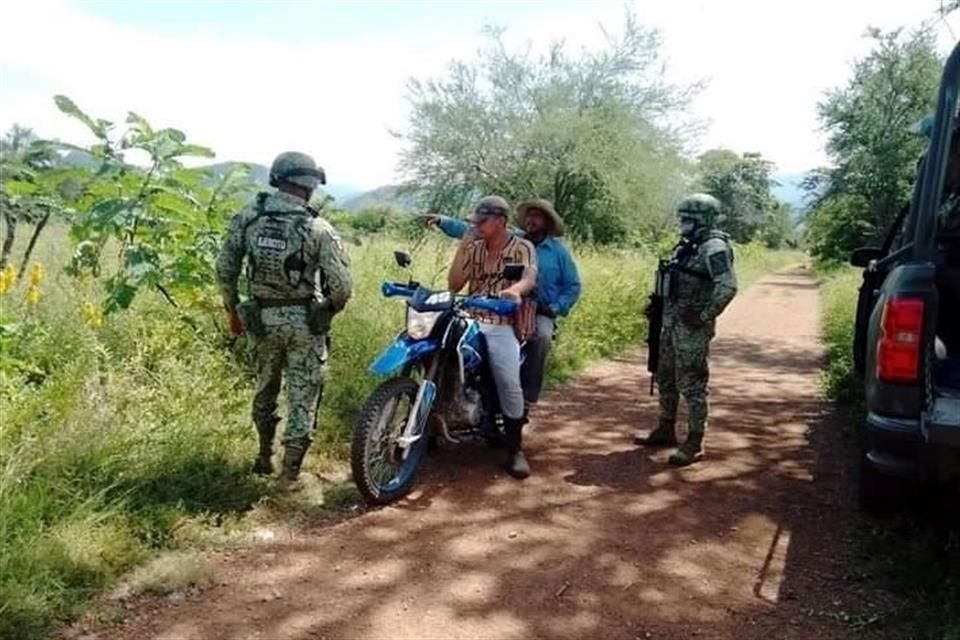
(605, 540)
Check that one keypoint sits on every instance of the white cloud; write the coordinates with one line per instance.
(246, 99)
(767, 64)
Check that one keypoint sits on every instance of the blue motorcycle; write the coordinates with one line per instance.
(441, 387)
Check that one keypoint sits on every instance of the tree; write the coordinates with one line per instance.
(742, 184)
(873, 149)
(595, 134)
(164, 220)
(22, 156)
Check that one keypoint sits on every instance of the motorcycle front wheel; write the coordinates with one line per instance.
(380, 470)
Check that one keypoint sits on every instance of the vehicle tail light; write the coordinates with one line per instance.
(899, 348)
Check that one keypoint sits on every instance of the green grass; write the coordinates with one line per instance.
(916, 552)
(838, 295)
(124, 440)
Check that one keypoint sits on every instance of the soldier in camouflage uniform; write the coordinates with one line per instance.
(299, 277)
(699, 282)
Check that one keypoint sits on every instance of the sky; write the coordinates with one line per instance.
(252, 78)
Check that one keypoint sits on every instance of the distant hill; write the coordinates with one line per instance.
(259, 174)
(388, 196)
(80, 159)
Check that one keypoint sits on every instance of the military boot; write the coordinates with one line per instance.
(263, 463)
(689, 452)
(516, 464)
(293, 453)
(665, 435)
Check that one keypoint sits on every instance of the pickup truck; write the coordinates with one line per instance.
(907, 336)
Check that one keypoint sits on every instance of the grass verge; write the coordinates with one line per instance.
(917, 551)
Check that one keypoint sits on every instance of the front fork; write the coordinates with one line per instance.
(417, 420)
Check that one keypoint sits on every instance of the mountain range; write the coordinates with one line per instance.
(259, 174)
(352, 198)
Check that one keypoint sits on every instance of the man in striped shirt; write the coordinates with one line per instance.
(479, 264)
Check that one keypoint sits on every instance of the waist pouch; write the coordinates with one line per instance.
(319, 317)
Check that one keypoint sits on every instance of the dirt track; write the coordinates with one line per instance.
(605, 540)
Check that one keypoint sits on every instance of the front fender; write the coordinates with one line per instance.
(402, 351)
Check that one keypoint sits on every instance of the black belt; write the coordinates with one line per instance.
(274, 303)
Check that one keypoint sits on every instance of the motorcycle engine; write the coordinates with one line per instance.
(471, 409)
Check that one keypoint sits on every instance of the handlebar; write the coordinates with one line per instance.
(395, 289)
(499, 306)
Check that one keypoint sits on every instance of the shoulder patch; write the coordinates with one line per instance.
(719, 263)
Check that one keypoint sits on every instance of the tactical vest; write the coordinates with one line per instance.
(688, 281)
(276, 252)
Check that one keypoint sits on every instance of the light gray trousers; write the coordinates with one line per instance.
(503, 350)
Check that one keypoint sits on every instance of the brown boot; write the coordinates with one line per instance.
(691, 451)
(292, 459)
(665, 435)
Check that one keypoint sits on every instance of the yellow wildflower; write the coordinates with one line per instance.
(91, 314)
(36, 275)
(33, 294)
(7, 279)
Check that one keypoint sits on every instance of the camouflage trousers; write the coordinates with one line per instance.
(291, 350)
(683, 370)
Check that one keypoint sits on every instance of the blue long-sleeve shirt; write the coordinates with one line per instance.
(558, 281)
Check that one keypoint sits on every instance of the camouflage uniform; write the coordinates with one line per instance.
(699, 283)
(298, 274)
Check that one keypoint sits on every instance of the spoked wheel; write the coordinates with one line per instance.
(381, 471)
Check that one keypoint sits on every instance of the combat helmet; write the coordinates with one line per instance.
(701, 206)
(296, 168)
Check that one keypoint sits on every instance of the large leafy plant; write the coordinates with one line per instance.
(139, 216)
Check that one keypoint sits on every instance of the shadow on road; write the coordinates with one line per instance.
(605, 540)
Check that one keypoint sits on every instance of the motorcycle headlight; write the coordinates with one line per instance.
(421, 323)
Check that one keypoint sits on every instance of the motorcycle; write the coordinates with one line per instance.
(441, 386)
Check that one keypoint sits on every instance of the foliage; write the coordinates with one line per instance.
(742, 184)
(369, 221)
(838, 296)
(22, 159)
(778, 230)
(590, 133)
(165, 220)
(837, 226)
(870, 142)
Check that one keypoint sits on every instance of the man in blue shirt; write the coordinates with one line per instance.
(558, 282)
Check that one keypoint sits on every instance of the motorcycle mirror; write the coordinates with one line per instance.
(513, 272)
(403, 259)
